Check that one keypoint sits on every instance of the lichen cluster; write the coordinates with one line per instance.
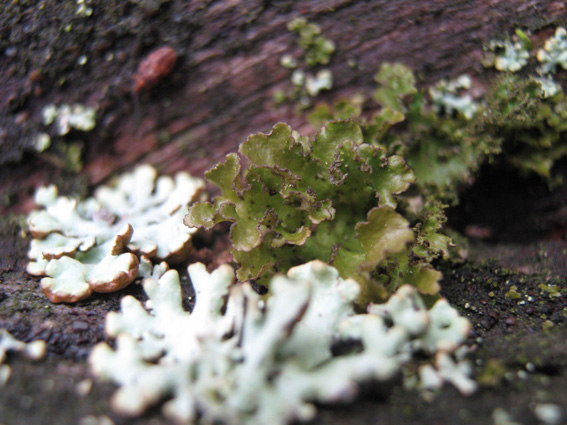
(554, 52)
(237, 358)
(60, 120)
(316, 50)
(331, 198)
(102, 243)
(345, 221)
(246, 362)
(445, 135)
(431, 129)
(509, 55)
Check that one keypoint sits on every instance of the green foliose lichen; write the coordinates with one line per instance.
(318, 49)
(332, 198)
(335, 197)
(445, 135)
(436, 141)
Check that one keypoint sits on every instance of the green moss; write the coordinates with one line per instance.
(439, 146)
(492, 374)
(445, 140)
(513, 294)
(529, 127)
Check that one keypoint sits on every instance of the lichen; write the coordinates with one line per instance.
(318, 49)
(249, 362)
(93, 245)
(65, 117)
(435, 138)
(323, 80)
(445, 135)
(62, 119)
(554, 52)
(446, 97)
(510, 56)
(34, 350)
(331, 198)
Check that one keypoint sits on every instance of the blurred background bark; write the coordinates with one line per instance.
(227, 70)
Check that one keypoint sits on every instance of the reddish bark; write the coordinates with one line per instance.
(227, 70)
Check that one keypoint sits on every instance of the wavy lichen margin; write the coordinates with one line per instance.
(331, 198)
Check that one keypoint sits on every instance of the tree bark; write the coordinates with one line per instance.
(227, 70)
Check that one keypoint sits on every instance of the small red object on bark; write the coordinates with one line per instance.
(153, 68)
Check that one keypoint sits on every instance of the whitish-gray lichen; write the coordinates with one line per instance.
(246, 361)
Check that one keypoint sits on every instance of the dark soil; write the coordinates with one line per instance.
(519, 343)
(512, 284)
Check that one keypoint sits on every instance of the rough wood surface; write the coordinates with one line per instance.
(221, 88)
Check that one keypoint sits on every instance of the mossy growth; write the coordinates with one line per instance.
(437, 141)
(333, 198)
(530, 126)
(445, 135)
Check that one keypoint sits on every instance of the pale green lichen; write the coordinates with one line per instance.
(447, 97)
(104, 268)
(554, 52)
(323, 80)
(548, 86)
(311, 85)
(66, 117)
(318, 49)
(34, 350)
(81, 246)
(236, 359)
(509, 55)
(447, 370)
(514, 56)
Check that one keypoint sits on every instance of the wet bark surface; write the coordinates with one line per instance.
(226, 72)
(220, 91)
